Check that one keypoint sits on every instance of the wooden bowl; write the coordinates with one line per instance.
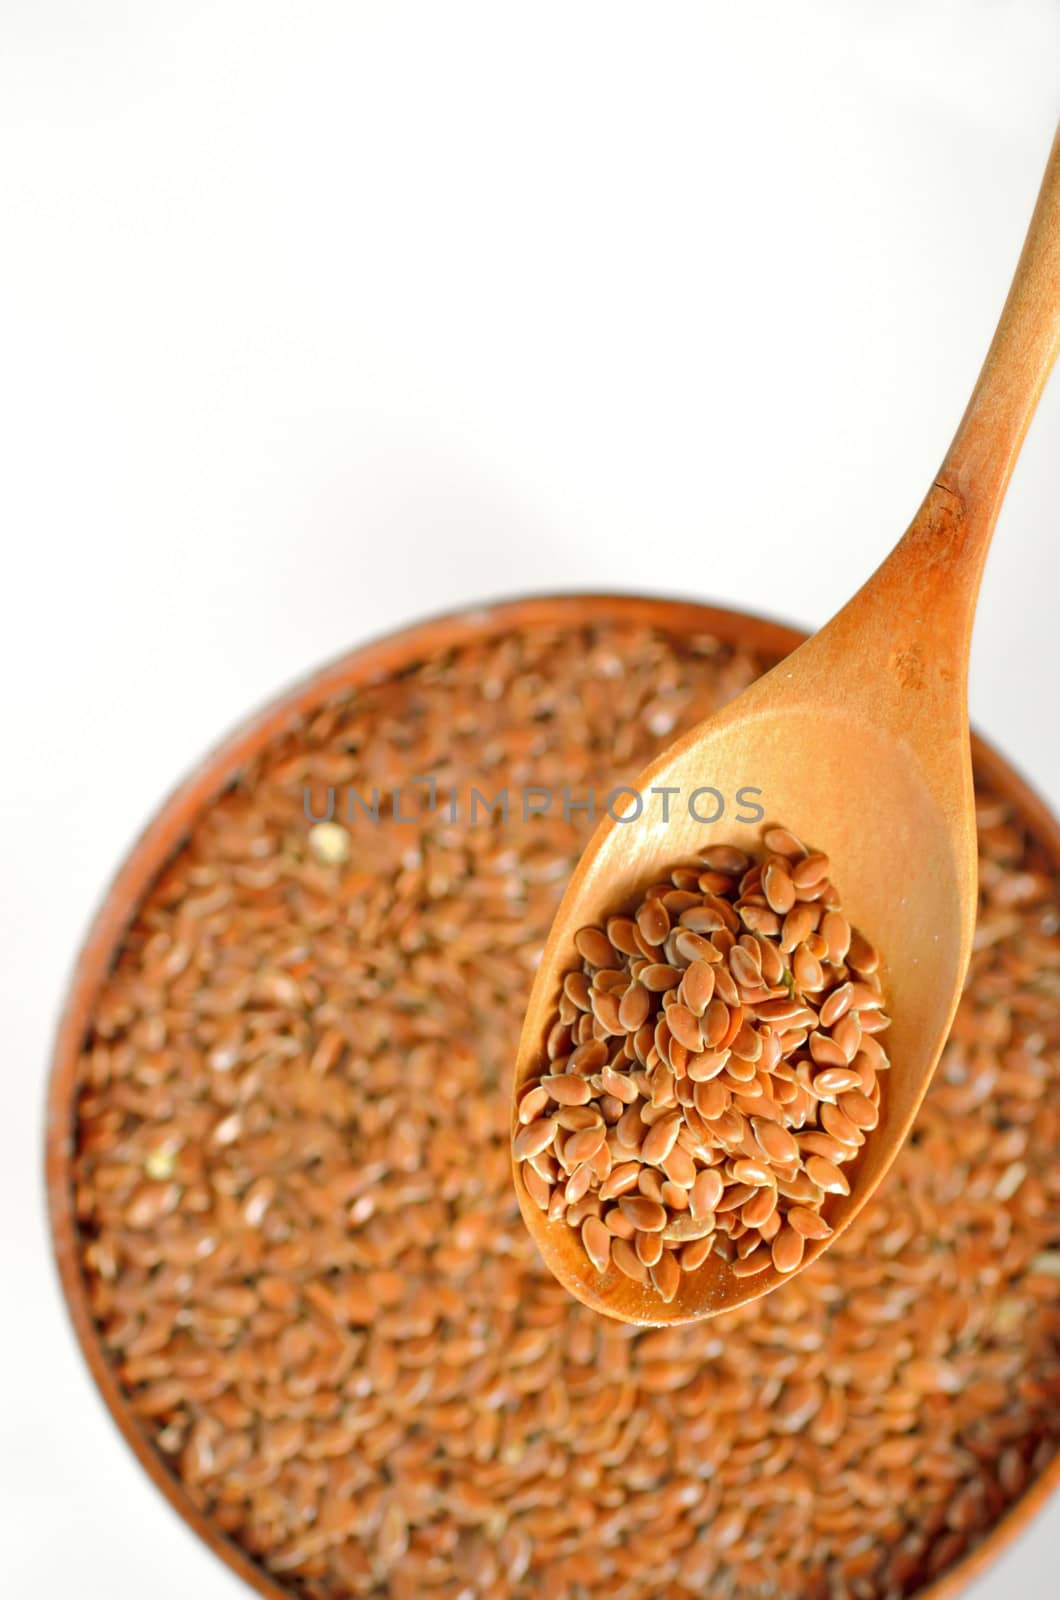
(163, 837)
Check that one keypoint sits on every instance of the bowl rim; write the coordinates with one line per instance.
(363, 665)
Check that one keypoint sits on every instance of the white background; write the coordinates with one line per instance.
(317, 317)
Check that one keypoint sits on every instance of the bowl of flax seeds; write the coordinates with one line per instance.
(281, 1193)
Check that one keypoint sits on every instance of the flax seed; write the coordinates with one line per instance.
(649, 1247)
(595, 948)
(666, 1275)
(647, 1216)
(787, 1249)
(661, 1138)
(808, 1223)
(756, 1260)
(826, 1175)
(597, 1243)
(627, 1261)
(532, 1139)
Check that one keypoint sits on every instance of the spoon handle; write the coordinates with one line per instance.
(919, 605)
(980, 460)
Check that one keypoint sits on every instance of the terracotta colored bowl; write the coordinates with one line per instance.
(163, 837)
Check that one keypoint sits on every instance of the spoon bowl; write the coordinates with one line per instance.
(906, 881)
(858, 742)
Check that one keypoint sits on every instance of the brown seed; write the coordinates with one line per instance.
(825, 1051)
(932, 1376)
(862, 956)
(575, 1119)
(666, 1276)
(859, 1109)
(778, 888)
(703, 1068)
(533, 1103)
(836, 931)
(568, 1089)
(627, 1261)
(847, 1035)
(693, 947)
(620, 1085)
(661, 1138)
(715, 1023)
(706, 1192)
(697, 987)
(618, 1224)
(759, 1208)
(678, 1165)
(647, 1216)
(839, 1125)
(620, 1180)
(810, 1224)
(621, 932)
(649, 1247)
(634, 1007)
(679, 1229)
(596, 1241)
(576, 989)
(653, 921)
(729, 1127)
(744, 968)
(725, 858)
(594, 947)
(577, 1185)
(800, 1188)
(788, 1247)
(752, 1172)
(711, 1099)
(605, 1010)
(658, 977)
(724, 983)
(545, 1165)
(746, 1045)
(575, 1215)
(695, 1253)
(587, 1057)
(837, 1004)
(797, 927)
(757, 1261)
(558, 1041)
(776, 1143)
(782, 842)
(663, 1090)
(584, 1145)
(826, 1175)
(539, 1191)
(807, 970)
(533, 1138)
(832, 1081)
(771, 962)
(629, 1129)
(778, 1012)
(811, 870)
(684, 1026)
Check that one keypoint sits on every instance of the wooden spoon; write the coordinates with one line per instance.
(859, 742)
